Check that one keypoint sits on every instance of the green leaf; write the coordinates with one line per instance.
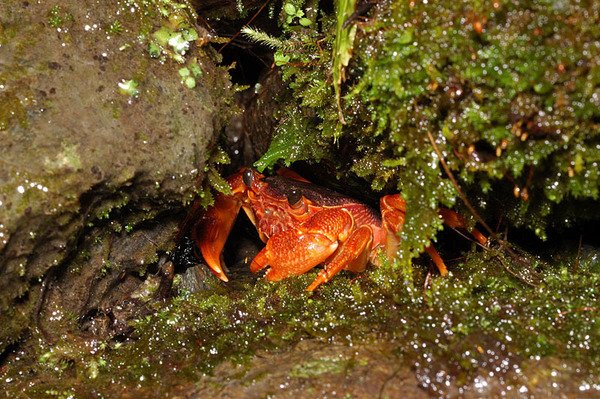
(154, 50)
(184, 72)
(190, 82)
(406, 37)
(305, 22)
(217, 182)
(220, 157)
(195, 69)
(281, 59)
(190, 35)
(162, 36)
(289, 9)
(129, 87)
(261, 37)
(392, 163)
(179, 44)
(293, 141)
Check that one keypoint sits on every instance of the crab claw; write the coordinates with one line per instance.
(292, 253)
(212, 230)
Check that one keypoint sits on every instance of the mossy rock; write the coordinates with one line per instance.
(90, 123)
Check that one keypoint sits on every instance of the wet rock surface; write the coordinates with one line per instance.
(90, 124)
(112, 280)
(313, 369)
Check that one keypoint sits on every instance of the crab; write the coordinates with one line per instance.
(305, 225)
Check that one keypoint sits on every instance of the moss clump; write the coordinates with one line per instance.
(509, 93)
(58, 17)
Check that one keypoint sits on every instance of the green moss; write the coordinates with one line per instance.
(453, 323)
(12, 111)
(58, 17)
(314, 368)
(115, 28)
(174, 39)
(509, 94)
(103, 210)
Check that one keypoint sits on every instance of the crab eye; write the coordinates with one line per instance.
(295, 199)
(247, 177)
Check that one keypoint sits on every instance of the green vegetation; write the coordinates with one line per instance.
(174, 38)
(509, 93)
(214, 181)
(115, 28)
(129, 87)
(190, 74)
(452, 326)
(58, 17)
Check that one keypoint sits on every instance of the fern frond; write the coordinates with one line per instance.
(261, 37)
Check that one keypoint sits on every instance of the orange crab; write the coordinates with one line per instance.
(304, 225)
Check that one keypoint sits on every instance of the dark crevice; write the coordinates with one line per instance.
(90, 203)
(247, 60)
(11, 349)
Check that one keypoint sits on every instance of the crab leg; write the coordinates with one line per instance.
(353, 255)
(393, 213)
(393, 210)
(456, 221)
(437, 259)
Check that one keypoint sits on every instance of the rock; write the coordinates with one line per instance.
(112, 279)
(314, 369)
(92, 128)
